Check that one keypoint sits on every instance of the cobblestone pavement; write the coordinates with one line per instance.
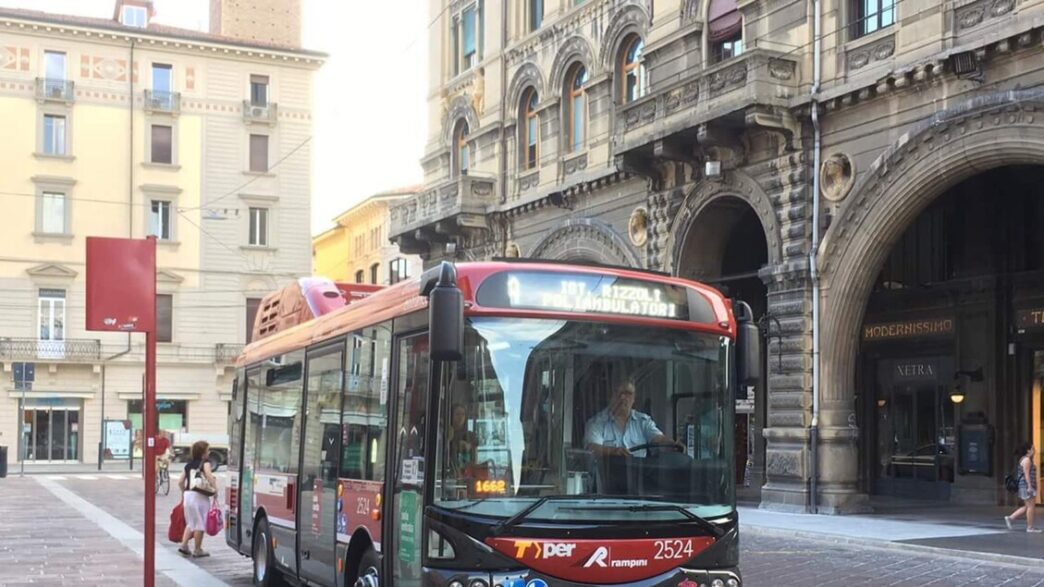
(776, 562)
(46, 541)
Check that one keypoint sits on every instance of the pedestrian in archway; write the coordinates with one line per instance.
(1027, 478)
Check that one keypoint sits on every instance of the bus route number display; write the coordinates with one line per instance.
(583, 293)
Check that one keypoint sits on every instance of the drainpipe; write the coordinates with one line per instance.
(503, 104)
(101, 441)
(814, 251)
(130, 142)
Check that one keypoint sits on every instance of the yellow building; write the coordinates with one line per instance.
(357, 248)
(126, 128)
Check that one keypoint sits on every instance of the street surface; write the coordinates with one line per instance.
(85, 529)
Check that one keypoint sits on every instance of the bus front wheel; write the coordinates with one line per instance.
(369, 570)
(265, 573)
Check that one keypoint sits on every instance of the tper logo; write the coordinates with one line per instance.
(545, 550)
(598, 558)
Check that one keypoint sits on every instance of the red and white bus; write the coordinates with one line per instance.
(499, 424)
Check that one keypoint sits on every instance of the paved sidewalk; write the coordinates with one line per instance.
(960, 532)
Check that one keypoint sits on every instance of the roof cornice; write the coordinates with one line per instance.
(118, 33)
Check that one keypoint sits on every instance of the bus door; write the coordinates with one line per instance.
(404, 525)
(320, 447)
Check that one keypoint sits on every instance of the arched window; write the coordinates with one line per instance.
(529, 123)
(576, 107)
(633, 77)
(724, 30)
(462, 155)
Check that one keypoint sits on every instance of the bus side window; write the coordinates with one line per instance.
(364, 422)
(280, 408)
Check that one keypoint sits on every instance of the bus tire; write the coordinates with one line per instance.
(369, 570)
(265, 572)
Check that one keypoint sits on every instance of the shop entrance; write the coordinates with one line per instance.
(51, 431)
(914, 416)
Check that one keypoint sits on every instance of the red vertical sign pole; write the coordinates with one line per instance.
(121, 297)
(149, 415)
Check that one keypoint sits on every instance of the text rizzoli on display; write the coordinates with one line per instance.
(594, 293)
(924, 327)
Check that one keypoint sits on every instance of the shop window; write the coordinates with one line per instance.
(172, 415)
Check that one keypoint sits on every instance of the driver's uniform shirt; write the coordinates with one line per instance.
(640, 429)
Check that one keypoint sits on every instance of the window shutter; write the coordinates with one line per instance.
(724, 20)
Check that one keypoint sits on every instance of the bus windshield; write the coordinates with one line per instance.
(577, 421)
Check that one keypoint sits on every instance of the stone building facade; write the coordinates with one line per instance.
(927, 128)
(125, 127)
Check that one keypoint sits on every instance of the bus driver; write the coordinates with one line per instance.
(619, 428)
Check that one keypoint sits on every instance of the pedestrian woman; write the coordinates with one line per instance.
(1027, 477)
(199, 488)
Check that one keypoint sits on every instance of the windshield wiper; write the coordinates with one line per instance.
(517, 518)
(647, 507)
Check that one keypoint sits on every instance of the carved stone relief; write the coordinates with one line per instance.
(638, 227)
(836, 176)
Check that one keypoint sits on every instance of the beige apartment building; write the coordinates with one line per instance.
(123, 127)
(357, 248)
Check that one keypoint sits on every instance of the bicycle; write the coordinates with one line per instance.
(162, 477)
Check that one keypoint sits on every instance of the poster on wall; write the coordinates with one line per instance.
(118, 435)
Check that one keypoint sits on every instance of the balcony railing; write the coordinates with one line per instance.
(54, 90)
(227, 353)
(162, 101)
(260, 113)
(31, 349)
(455, 204)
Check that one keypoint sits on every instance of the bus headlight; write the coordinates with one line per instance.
(717, 583)
(478, 583)
(732, 583)
(456, 584)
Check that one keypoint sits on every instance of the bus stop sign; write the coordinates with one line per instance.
(121, 284)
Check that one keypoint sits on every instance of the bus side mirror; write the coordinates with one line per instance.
(445, 312)
(748, 350)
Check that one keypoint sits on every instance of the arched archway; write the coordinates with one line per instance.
(722, 241)
(586, 240)
(982, 135)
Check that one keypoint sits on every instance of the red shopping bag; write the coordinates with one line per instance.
(177, 524)
(215, 521)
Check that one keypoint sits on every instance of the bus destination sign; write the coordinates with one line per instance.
(584, 293)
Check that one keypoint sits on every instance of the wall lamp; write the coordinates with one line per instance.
(957, 395)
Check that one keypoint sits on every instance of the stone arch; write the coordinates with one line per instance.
(632, 18)
(575, 49)
(586, 239)
(984, 133)
(527, 76)
(733, 185)
(459, 108)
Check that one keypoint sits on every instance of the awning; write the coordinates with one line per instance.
(724, 20)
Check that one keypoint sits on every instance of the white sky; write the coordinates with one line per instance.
(370, 114)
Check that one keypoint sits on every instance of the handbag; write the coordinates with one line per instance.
(177, 523)
(200, 484)
(215, 521)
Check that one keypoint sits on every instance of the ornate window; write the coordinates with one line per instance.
(462, 153)
(872, 16)
(634, 79)
(724, 30)
(529, 123)
(468, 36)
(576, 107)
(535, 13)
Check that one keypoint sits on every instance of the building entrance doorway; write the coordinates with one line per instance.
(51, 431)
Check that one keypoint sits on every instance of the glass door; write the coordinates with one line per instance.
(59, 434)
(317, 516)
(405, 523)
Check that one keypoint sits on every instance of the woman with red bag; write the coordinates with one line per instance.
(199, 489)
